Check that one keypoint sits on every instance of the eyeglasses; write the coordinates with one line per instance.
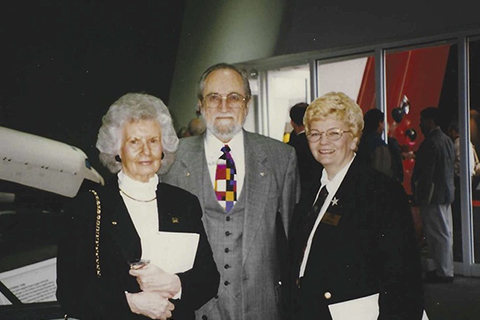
(214, 100)
(332, 134)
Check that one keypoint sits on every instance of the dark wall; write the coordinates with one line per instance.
(64, 62)
(315, 25)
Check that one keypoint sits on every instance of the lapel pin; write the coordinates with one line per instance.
(114, 223)
(262, 174)
(334, 201)
(174, 220)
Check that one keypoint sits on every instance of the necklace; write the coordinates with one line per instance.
(126, 194)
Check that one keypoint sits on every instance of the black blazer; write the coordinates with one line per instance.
(372, 249)
(82, 295)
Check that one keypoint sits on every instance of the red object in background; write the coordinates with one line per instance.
(408, 165)
(399, 134)
(418, 74)
(411, 135)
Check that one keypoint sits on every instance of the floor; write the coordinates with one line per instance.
(459, 300)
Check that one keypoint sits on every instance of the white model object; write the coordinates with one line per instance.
(43, 163)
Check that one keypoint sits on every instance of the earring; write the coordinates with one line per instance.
(117, 158)
(354, 146)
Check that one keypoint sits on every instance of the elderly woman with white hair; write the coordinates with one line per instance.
(111, 226)
(352, 236)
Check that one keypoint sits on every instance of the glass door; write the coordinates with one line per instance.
(474, 117)
(285, 87)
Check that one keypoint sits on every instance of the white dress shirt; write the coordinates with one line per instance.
(332, 187)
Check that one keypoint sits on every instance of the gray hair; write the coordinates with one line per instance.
(219, 66)
(133, 107)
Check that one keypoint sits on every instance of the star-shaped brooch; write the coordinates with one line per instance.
(334, 201)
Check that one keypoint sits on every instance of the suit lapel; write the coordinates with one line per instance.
(344, 200)
(170, 216)
(192, 171)
(257, 188)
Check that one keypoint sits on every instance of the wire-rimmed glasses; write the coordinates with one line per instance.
(332, 134)
(214, 100)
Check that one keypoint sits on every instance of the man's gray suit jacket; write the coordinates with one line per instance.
(271, 189)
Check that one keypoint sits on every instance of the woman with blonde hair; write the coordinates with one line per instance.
(352, 234)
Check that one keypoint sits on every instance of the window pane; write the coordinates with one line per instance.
(474, 60)
(286, 87)
(417, 79)
(354, 77)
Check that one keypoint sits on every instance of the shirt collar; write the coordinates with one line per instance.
(332, 185)
(213, 143)
(137, 189)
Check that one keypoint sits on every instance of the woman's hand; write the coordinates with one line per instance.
(152, 278)
(150, 304)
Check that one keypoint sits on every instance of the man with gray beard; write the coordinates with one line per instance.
(247, 185)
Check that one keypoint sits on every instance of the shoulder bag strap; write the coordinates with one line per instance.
(97, 233)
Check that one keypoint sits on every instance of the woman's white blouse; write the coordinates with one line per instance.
(144, 214)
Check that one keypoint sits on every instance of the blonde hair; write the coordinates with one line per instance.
(338, 106)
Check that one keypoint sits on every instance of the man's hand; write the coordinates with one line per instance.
(150, 304)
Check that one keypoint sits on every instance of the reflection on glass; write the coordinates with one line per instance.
(286, 87)
(354, 77)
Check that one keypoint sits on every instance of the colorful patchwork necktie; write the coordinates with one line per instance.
(225, 183)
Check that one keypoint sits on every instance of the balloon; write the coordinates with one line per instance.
(397, 114)
(405, 105)
(411, 134)
(402, 110)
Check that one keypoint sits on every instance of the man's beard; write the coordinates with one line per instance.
(223, 129)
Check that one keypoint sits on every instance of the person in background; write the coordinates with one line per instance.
(182, 132)
(475, 128)
(308, 167)
(196, 127)
(248, 186)
(396, 157)
(453, 133)
(372, 148)
(352, 235)
(112, 225)
(433, 192)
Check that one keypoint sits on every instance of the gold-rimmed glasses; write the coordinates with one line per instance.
(332, 134)
(214, 100)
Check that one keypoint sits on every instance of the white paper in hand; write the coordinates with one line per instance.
(365, 308)
(173, 252)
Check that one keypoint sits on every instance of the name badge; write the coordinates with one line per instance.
(331, 219)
